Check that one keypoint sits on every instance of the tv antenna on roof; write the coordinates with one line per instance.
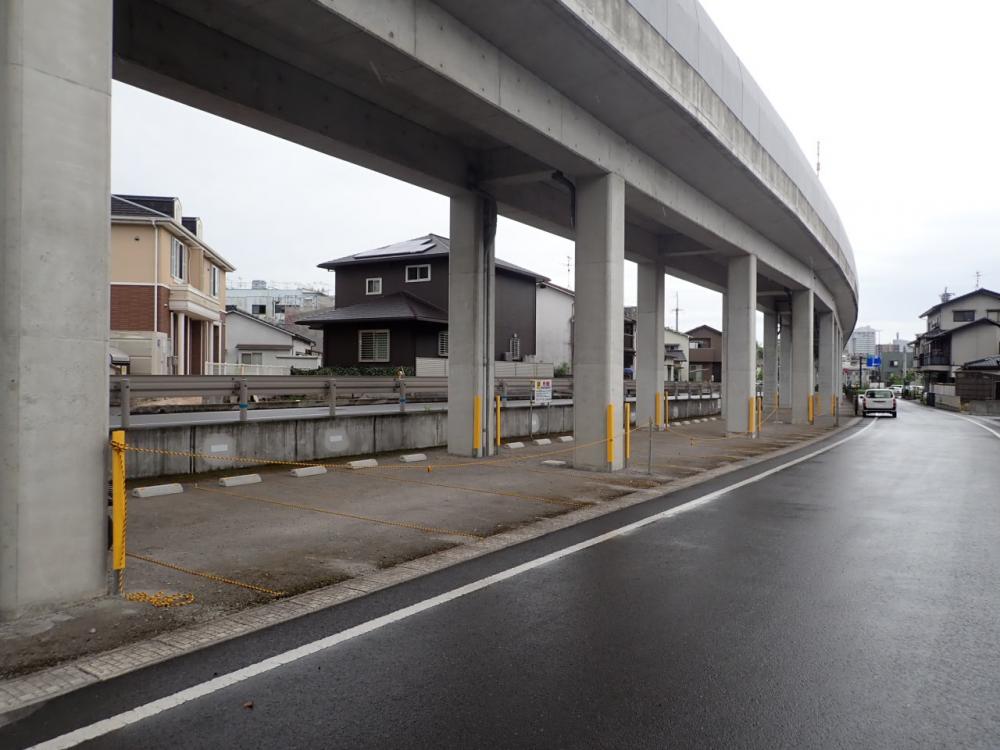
(979, 277)
(569, 272)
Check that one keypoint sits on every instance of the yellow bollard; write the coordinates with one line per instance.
(498, 420)
(477, 423)
(118, 501)
(812, 405)
(658, 410)
(611, 435)
(751, 416)
(628, 430)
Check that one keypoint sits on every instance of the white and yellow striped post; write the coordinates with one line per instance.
(628, 432)
(477, 424)
(610, 427)
(118, 509)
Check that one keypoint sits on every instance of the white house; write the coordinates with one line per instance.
(675, 350)
(553, 324)
(257, 347)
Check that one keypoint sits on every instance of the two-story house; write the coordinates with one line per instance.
(705, 354)
(959, 330)
(168, 287)
(392, 307)
(676, 346)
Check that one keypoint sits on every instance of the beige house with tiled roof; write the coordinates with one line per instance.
(168, 288)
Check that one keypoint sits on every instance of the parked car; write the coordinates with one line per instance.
(878, 401)
(897, 391)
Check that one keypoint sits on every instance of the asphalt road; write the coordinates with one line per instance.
(849, 600)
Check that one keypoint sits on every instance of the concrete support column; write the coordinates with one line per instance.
(471, 326)
(182, 344)
(600, 318)
(652, 371)
(802, 355)
(723, 371)
(770, 361)
(829, 361)
(740, 354)
(785, 363)
(55, 97)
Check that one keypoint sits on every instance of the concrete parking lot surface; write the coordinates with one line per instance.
(237, 547)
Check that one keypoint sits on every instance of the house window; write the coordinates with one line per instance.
(258, 309)
(418, 273)
(442, 343)
(964, 316)
(213, 280)
(178, 260)
(993, 315)
(373, 346)
(701, 343)
(515, 347)
(373, 286)
(251, 358)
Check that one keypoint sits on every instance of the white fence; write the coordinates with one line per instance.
(232, 368)
(437, 367)
(943, 389)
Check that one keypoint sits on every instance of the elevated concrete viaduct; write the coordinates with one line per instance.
(629, 126)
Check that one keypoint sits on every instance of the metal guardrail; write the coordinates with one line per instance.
(340, 390)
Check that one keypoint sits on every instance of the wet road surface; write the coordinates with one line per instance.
(849, 600)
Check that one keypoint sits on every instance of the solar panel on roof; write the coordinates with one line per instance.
(409, 247)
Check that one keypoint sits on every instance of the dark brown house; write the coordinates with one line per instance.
(705, 355)
(392, 307)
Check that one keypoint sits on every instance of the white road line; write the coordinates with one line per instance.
(127, 718)
(977, 423)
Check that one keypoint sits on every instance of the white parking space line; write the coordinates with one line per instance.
(153, 708)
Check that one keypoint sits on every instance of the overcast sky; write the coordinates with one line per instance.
(902, 94)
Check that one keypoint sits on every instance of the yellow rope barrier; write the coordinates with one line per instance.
(200, 574)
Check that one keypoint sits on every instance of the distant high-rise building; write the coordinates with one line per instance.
(862, 342)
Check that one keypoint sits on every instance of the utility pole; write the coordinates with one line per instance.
(677, 311)
(817, 158)
(979, 276)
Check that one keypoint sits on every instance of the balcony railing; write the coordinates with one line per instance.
(932, 359)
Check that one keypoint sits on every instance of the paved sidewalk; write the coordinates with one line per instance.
(362, 530)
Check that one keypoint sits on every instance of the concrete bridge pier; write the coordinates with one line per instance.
(471, 323)
(803, 367)
(740, 343)
(55, 149)
(770, 361)
(651, 369)
(829, 362)
(600, 319)
(785, 361)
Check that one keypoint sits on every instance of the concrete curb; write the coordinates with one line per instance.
(157, 490)
(21, 692)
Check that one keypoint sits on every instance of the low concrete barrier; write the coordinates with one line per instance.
(164, 451)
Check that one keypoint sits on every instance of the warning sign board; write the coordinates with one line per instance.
(541, 391)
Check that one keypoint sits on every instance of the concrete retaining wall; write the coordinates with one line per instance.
(220, 446)
(983, 408)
